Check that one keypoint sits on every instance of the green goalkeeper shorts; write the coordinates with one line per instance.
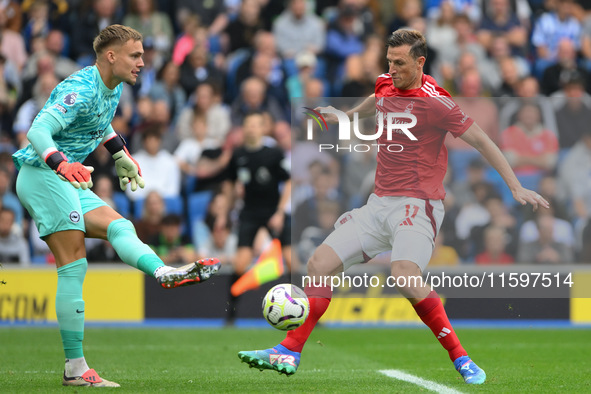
(54, 205)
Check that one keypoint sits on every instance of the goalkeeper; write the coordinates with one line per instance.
(54, 187)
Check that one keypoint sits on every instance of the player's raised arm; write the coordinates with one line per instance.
(366, 109)
(128, 170)
(476, 137)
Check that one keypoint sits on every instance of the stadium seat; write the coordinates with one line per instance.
(122, 204)
(197, 206)
(459, 160)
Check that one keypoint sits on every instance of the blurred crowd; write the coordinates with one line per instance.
(520, 68)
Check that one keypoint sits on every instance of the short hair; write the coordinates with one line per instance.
(254, 112)
(414, 38)
(114, 35)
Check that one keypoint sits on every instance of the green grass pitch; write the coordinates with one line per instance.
(335, 360)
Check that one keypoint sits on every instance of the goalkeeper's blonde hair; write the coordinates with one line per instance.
(114, 35)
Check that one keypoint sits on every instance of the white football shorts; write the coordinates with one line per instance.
(406, 226)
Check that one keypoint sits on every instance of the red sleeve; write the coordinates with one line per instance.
(449, 116)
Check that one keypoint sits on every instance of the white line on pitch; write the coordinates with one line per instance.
(427, 384)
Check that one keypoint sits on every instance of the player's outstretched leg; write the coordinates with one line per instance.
(189, 274)
(121, 234)
(277, 358)
(471, 372)
(89, 378)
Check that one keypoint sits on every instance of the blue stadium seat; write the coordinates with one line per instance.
(459, 161)
(122, 204)
(197, 206)
(174, 205)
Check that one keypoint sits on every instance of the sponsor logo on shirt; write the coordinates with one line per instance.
(60, 108)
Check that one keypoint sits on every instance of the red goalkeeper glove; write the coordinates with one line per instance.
(75, 173)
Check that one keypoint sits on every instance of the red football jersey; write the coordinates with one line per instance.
(415, 168)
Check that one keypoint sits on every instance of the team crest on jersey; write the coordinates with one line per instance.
(74, 216)
(70, 98)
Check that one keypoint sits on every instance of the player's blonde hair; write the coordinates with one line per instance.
(114, 35)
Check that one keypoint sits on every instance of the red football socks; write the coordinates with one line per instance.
(431, 312)
(319, 298)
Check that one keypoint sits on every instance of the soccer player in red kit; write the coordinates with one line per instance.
(405, 212)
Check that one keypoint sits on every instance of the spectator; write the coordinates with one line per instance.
(443, 255)
(9, 199)
(53, 45)
(463, 191)
(13, 14)
(314, 235)
(211, 14)
(342, 41)
(253, 97)
(159, 168)
(528, 91)
(549, 29)
(38, 24)
(221, 243)
(12, 45)
(510, 78)
(472, 215)
(30, 108)
(409, 9)
(564, 69)
(440, 30)
(307, 212)
(499, 217)
(306, 65)
(205, 102)
(574, 174)
(144, 17)
(297, 31)
(502, 21)
(9, 85)
(186, 42)
(530, 147)
(148, 225)
(167, 88)
(87, 25)
(171, 245)
(14, 247)
(574, 116)
(494, 248)
(483, 110)
(545, 249)
(240, 33)
(198, 69)
(189, 150)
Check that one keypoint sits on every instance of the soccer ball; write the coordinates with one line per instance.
(286, 307)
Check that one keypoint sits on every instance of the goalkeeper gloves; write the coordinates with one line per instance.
(128, 170)
(75, 173)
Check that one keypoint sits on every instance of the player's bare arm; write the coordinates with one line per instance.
(476, 137)
(366, 109)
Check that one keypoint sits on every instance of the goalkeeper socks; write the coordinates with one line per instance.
(75, 367)
(432, 313)
(319, 298)
(69, 306)
(121, 234)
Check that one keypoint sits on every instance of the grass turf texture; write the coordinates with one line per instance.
(335, 360)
